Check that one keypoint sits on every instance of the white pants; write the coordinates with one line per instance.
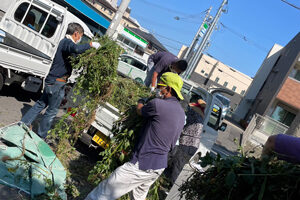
(124, 179)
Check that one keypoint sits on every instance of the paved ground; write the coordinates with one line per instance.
(228, 141)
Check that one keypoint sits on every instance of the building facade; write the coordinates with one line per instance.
(136, 40)
(211, 73)
(258, 81)
(279, 95)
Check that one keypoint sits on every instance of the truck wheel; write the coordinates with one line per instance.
(139, 80)
(1, 81)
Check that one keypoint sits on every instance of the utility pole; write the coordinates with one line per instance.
(211, 73)
(187, 55)
(117, 18)
(195, 59)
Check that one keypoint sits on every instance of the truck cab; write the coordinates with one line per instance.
(30, 31)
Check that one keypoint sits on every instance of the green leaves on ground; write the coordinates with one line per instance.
(240, 177)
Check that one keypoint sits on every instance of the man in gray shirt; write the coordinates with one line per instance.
(163, 62)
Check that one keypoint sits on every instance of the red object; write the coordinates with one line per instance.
(199, 106)
(72, 114)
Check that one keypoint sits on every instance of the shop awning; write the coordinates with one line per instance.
(89, 12)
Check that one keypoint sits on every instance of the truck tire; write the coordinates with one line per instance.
(139, 80)
(1, 81)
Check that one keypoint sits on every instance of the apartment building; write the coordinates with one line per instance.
(109, 9)
(211, 73)
(279, 95)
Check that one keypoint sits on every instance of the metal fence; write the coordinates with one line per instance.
(260, 128)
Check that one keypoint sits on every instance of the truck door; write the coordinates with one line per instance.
(213, 118)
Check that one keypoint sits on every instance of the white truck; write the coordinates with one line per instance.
(30, 31)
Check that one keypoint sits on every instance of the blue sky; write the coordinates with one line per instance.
(252, 27)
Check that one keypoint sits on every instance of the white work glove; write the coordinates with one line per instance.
(96, 45)
(152, 89)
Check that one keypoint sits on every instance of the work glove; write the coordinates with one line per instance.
(96, 45)
(152, 89)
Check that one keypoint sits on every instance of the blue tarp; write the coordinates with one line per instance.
(89, 12)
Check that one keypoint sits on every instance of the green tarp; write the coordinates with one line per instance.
(28, 163)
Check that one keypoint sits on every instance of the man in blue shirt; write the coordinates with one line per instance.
(56, 79)
(163, 62)
(165, 121)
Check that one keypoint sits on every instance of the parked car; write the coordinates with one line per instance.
(132, 67)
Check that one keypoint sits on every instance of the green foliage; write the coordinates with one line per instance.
(126, 93)
(93, 87)
(241, 177)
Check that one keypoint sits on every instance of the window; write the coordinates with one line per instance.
(217, 79)
(202, 71)
(206, 74)
(120, 38)
(242, 92)
(234, 88)
(50, 27)
(225, 84)
(20, 12)
(214, 117)
(139, 50)
(295, 74)
(35, 19)
(283, 116)
(127, 60)
(126, 41)
(139, 65)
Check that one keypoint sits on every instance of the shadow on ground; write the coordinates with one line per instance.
(18, 93)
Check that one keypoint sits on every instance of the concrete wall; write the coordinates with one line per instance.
(276, 77)
(258, 80)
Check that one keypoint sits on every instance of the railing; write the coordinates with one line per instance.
(261, 127)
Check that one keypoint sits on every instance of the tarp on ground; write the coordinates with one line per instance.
(28, 163)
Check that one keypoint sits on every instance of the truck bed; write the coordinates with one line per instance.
(11, 41)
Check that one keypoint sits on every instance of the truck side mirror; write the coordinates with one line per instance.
(223, 127)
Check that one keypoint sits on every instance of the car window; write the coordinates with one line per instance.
(139, 65)
(215, 116)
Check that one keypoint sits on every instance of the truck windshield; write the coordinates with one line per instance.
(225, 101)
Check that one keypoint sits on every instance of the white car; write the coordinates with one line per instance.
(132, 67)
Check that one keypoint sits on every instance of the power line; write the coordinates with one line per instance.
(246, 39)
(162, 25)
(171, 10)
(291, 4)
(173, 40)
(172, 47)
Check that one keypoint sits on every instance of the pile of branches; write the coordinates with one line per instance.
(93, 86)
(242, 177)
